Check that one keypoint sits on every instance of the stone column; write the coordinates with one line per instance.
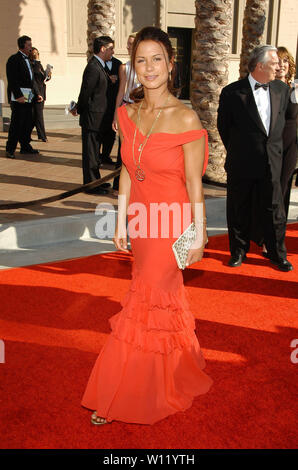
(101, 21)
(252, 31)
(210, 74)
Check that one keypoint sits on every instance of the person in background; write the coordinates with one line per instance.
(112, 68)
(127, 83)
(92, 106)
(41, 77)
(177, 70)
(21, 90)
(251, 119)
(286, 73)
(127, 80)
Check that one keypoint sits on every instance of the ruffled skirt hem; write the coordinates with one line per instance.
(151, 364)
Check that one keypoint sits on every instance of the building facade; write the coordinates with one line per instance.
(58, 29)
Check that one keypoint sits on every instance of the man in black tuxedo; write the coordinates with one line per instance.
(112, 69)
(21, 92)
(251, 119)
(92, 106)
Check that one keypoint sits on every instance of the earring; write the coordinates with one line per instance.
(170, 76)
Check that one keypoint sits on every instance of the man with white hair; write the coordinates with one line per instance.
(251, 118)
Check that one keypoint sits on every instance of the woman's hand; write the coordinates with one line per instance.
(196, 254)
(21, 99)
(114, 125)
(113, 79)
(74, 111)
(120, 239)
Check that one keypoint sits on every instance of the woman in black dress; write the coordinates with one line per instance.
(286, 73)
(40, 77)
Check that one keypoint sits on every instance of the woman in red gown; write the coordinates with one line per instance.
(151, 364)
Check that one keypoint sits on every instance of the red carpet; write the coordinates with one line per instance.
(54, 320)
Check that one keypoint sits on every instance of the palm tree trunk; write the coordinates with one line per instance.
(210, 74)
(101, 21)
(252, 31)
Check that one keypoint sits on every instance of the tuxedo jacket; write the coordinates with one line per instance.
(18, 76)
(113, 87)
(249, 148)
(92, 101)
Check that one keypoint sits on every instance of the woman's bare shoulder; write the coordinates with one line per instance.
(186, 119)
(131, 108)
(122, 70)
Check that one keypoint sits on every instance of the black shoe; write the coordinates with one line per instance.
(265, 254)
(98, 191)
(236, 260)
(42, 140)
(282, 265)
(101, 186)
(29, 151)
(10, 154)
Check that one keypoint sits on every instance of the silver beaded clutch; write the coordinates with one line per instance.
(181, 246)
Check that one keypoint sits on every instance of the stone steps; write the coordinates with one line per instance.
(75, 236)
(54, 117)
(36, 241)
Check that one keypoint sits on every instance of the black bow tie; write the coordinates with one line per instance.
(261, 85)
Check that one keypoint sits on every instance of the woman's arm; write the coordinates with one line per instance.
(120, 237)
(120, 94)
(194, 154)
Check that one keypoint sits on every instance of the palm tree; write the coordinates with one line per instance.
(101, 21)
(252, 31)
(213, 29)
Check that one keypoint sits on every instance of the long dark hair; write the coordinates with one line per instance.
(158, 35)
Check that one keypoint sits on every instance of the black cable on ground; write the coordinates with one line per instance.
(58, 197)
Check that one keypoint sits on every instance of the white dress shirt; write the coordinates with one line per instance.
(262, 99)
(109, 64)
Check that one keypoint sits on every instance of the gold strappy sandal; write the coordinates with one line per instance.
(97, 420)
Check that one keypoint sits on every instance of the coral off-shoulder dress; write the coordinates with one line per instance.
(151, 364)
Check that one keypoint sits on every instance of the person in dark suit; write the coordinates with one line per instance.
(21, 91)
(251, 119)
(112, 69)
(40, 77)
(92, 106)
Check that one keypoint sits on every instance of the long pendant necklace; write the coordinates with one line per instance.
(139, 173)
